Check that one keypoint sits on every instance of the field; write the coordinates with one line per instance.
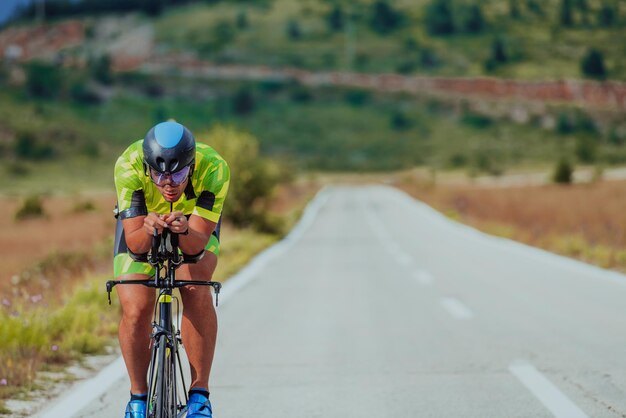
(582, 221)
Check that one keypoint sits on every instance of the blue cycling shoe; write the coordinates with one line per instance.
(199, 406)
(136, 409)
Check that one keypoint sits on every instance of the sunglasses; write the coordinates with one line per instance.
(175, 179)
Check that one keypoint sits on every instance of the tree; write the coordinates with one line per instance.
(565, 16)
(563, 172)
(473, 20)
(592, 64)
(535, 7)
(293, 30)
(606, 15)
(336, 18)
(438, 18)
(583, 7)
(498, 55)
(101, 70)
(384, 18)
(243, 102)
(43, 80)
(242, 20)
(514, 10)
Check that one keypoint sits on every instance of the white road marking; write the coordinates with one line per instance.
(85, 392)
(548, 394)
(456, 308)
(423, 277)
(388, 243)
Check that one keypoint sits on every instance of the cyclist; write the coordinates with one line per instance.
(167, 180)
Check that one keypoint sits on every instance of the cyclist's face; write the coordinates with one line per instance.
(171, 186)
(172, 193)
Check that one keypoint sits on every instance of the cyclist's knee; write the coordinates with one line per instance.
(136, 315)
(137, 302)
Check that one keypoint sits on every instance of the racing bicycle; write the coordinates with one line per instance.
(167, 391)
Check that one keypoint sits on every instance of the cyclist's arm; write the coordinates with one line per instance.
(200, 230)
(138, 231)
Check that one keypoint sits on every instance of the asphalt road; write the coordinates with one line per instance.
(382, 307)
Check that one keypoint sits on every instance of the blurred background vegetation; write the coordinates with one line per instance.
(67, 111)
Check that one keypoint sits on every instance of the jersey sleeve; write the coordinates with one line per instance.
(130, 196)
(215, 187)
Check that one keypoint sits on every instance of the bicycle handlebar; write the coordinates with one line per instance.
(217, 286)
(156, 259)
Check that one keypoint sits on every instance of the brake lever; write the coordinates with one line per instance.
(217, 287)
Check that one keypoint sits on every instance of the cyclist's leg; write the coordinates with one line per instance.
(137, 308)
(199, 323)
(135, 328)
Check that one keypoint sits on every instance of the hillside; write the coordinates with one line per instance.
(80, 88)
(527, 39)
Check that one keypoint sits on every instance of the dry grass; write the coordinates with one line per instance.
(584, 221)
(62, 230)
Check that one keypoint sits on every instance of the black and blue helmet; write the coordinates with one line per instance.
(169, 147)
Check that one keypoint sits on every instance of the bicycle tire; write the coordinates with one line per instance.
(165, 402)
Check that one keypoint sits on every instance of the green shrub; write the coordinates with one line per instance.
(564, 124)
(438, 18)
(243, 102)
(90, 149)
(563, 172)
(384, 18)
(400, 121)
(82, 93)
(472, 19)
(475, 120)
(32, 207)
(406, 67)
(535, 7)
(458, 160)
(43, 80)
(242, 20)
(223, 34)
(293, 30)
(336, 18)
(565, 13)
(428, 58)
(28, 146)
(84, 206)
(514, 10)
(586, 149)
(607, 15)
(17, 169)
(592, 65)
(301, 94)
(357, 97)
(253, 178)
(101, 69)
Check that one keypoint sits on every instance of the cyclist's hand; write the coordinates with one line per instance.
(177, 222)
(154, 222)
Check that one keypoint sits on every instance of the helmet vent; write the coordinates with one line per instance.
(161, 164)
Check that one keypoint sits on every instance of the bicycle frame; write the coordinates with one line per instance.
(165, 367)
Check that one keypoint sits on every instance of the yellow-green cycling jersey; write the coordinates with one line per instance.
(137, 195)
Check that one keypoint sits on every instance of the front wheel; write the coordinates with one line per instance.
(165, 396)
